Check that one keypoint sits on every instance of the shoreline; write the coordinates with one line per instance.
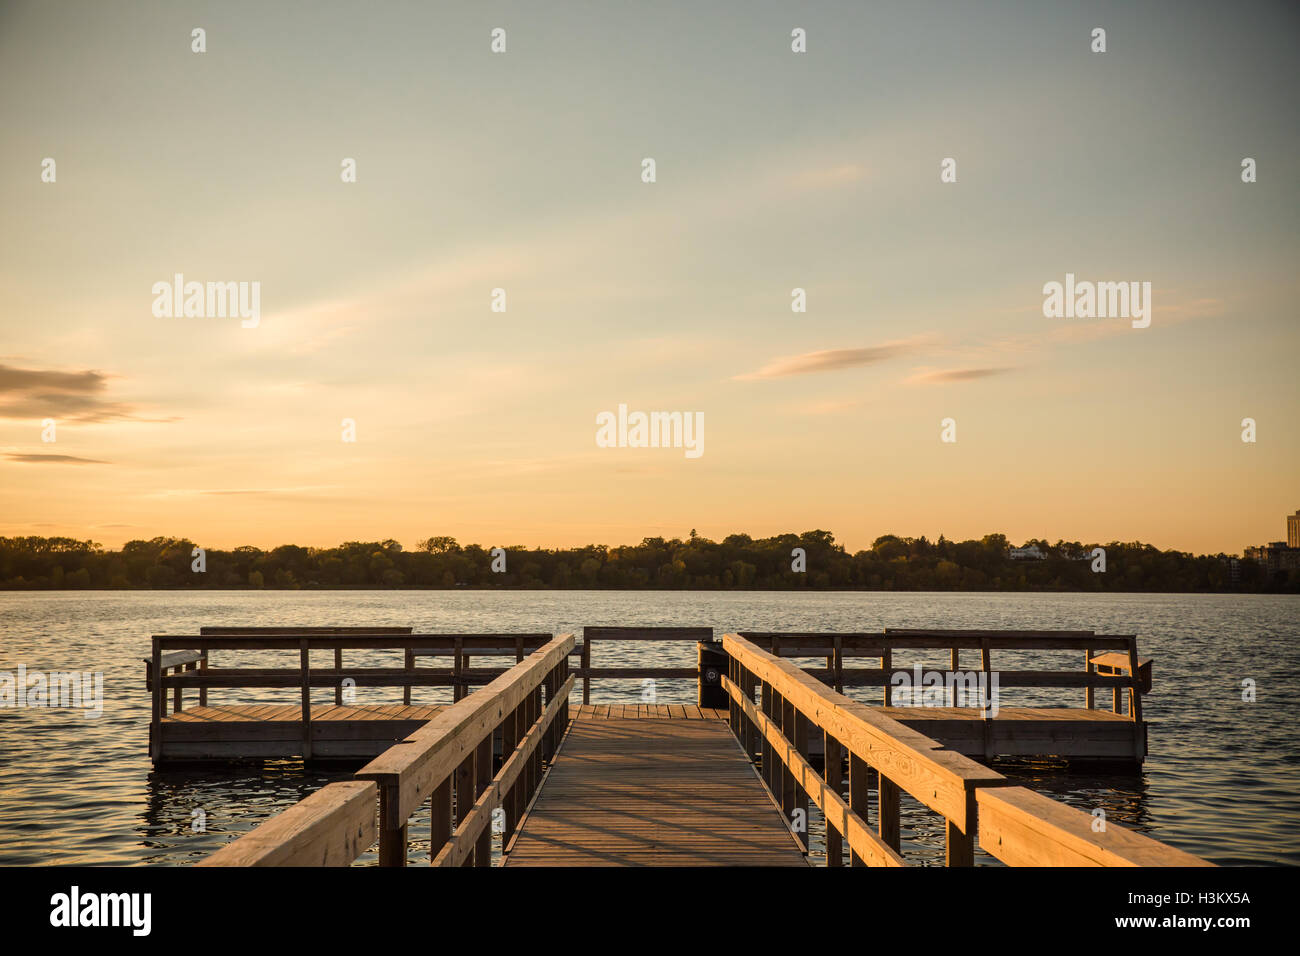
(640, 590)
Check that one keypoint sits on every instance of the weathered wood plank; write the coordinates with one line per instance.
(331, 827)
(666, 792)
(1024, 828)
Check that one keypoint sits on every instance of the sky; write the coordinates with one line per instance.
(522, 171)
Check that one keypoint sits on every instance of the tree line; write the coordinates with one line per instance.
(811, 560)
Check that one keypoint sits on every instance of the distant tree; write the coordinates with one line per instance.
(439, 545)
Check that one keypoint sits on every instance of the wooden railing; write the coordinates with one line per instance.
(177, 662)
(460, 648)
(1013, 824)
(1024, 828)
(188, 657)
(449, 761)
(795, 704)
(332, 827)
(592, 634)
(774, 709)
(1110, 659)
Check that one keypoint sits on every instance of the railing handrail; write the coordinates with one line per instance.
(598, 632)
(451, 754)
(331, 827)
(1014, 824)
(1024, 828)
(411, 757)
(943, 780)
(603, 632)
(218, 629)
(292, 640)
(458, 742)
(1135, 676)
(963, 639)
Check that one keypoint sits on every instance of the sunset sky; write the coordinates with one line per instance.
(522, 171)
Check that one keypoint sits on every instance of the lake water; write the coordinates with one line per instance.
(1221, 779)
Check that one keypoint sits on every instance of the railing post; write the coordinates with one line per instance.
(178, 692)
(203, 688)
(563, 717)
(304, 656)
(858, 798)
(833, 772)
(887, 665)
(954, 663)
(1091, 669)
(440, 817)
(710, 663)
(747, 682)
(483, 773)
(548, 737)
(338, 683)
(787, 776)
(586, 667)
(733, 708)
(458, 670)
(1135, 700)
(392, 834)
(532, 711)
(466, 775)
(155, 724)
(800, 741)
(887, 810)
(769, 762)
(510, 800)
(986, 665)
(408, 664)
(959, 845)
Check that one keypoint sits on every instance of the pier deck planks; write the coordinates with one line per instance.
(657, 790)
(646, 712)
(256, 713)
(251, 731)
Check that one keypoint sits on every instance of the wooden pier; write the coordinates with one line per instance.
(671, 784)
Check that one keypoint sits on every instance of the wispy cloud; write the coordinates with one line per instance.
(294, 492)
(938, 376)
(78, 396)
(29, 379)
(55, 459)
(828, 177)
(830, 406)
(833, 360)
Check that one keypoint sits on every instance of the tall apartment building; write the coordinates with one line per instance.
(1280, 556)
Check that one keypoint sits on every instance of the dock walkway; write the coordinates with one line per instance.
(653, 790)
